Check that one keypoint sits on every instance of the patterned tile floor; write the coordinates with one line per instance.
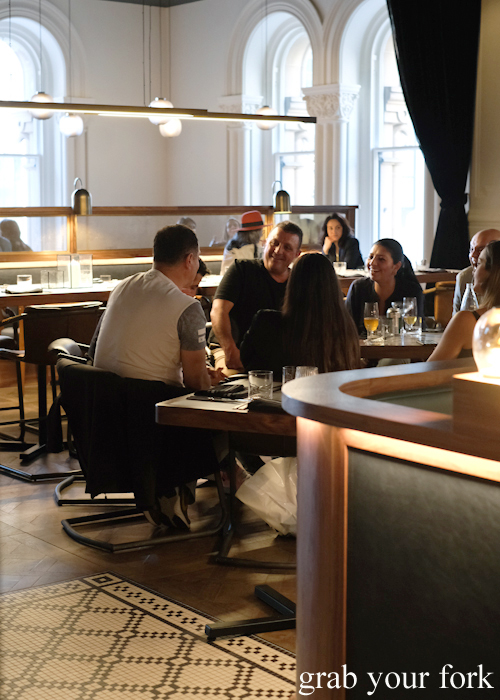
(103, 637)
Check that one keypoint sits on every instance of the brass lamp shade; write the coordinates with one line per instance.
(282, 203)
(81, 200)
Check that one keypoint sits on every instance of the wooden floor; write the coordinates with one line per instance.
(34, 550)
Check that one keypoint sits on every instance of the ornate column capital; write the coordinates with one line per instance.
(330, 103)
(240, 104)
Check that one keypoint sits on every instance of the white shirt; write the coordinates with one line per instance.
(147, 322)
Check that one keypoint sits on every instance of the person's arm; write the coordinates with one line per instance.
(194, 369)
(221, 325)
(191, 329)
(327, 245)
(457, 335)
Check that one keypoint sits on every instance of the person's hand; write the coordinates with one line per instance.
(233, 360)
(327, 245)
(216, 375)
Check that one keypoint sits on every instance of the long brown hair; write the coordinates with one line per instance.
(491, 295)
(318, 330)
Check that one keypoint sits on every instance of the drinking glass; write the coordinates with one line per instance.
(410, 313)
(340, 267)
(371, 318)
(305, 371)
(260, 384)
(24, 281)
(288, 373)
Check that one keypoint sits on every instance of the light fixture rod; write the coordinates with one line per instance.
(143, 112)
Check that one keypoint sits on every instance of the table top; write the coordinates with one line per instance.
(232, 416)
(405, 346)
(98, 292)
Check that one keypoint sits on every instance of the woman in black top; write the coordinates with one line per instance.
(338, 243)
(391, 279)
(313, 327)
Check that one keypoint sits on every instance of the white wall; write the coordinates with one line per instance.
(485, 175)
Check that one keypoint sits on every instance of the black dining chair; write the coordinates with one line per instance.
(40, 326)
(121, 449)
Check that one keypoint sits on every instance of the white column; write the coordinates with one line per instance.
(239, 144)
(332, 105)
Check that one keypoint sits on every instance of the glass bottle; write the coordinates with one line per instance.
(469, 299)
(395, 315)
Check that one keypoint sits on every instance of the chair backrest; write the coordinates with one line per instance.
(45, 323)
(119, 445)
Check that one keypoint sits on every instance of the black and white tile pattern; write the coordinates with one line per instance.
(106, 638)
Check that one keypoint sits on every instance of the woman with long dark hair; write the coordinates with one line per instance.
(457, 338)
(391, 279)
(338, 242)
(313, 327)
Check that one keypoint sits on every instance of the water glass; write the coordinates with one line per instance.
(24, 281)
(288, 373)
(305, 371)
(56, 279)
(340, 267)
(44, 279)
(260, 384)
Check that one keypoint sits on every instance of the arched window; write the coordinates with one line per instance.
(399, 167)
(32, 152)
(278, 64)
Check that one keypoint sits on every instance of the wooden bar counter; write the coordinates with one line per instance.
(398, 530)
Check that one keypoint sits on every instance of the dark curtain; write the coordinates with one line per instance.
(436, 44)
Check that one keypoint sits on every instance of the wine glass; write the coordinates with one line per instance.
(371, 318)
(410, 313)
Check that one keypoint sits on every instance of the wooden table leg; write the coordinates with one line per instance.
(321, 554)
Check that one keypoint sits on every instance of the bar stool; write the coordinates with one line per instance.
(41, 325)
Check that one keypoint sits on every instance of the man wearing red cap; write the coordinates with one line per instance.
(244, 245)
(247, 287)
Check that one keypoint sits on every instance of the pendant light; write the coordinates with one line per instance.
(282, 200)
(265, 110)
(41, 96)
(70, 124)
(81, 200)
(169, 128)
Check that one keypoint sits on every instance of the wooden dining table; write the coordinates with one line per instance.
(406, 346)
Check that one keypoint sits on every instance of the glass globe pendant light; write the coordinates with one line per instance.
(41, 96)
(71, 125)
(262, 125)
(171, 128)
(160, 102)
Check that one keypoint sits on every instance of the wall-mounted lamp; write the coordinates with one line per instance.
(81, 200)
(282, 201)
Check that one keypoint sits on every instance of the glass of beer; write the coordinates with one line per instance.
(371, 318)
(410, 313)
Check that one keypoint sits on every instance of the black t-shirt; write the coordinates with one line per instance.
(250, 287)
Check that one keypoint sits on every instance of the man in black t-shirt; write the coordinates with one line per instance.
(247, 287)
